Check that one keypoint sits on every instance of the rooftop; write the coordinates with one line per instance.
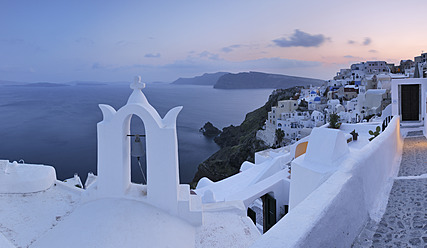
(39, 211)
(335, 181)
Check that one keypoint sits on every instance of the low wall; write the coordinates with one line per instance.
(334, 214)
(25, 178)
(425, 127)
(376, 165)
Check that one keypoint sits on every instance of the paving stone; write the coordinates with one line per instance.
(414, 157)
(415, 241)
(404, 223)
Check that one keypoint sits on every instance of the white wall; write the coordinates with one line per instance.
(373, 100)
(25, 178)
(325, 147)
(425, 123)
(334, 214)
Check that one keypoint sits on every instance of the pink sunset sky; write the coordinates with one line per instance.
(63, 41)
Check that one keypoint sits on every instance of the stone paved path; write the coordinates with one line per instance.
(414, 157)
(404, 223)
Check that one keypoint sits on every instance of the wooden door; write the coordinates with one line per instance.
(410, 102)
(269, 211)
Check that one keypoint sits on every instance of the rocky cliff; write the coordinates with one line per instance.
(258, 80)
(239, 143)
(209, 130)
(205, 79)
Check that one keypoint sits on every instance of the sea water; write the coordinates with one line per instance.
(57, 125)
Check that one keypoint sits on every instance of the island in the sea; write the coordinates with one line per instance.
(205, 79)
(260, 80)
(248, 80)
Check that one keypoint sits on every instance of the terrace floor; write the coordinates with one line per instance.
(404, 223)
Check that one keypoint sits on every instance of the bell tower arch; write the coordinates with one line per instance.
(114, 173)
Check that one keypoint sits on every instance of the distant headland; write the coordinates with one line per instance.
(248, 80)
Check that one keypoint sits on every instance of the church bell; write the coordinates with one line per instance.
(137, 149)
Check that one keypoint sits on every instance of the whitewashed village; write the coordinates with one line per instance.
(319, 186)
(357, 94)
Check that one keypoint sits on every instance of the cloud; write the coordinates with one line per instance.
(198, 65)
(152, 55)
(230, 48)
(277, 63)
(208, 65)
(209, 55)
(367, 41)
(129, 43)
(373, 51)
(353, 58)
(301, 39)
(99, 66)
(121, 43)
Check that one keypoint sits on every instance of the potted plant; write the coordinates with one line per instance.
(354, 134)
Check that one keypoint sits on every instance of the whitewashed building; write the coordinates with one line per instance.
(284, 106)
(371, 67)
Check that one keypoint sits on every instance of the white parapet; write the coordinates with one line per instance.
(325, 147)
(335, 212)
(25, 178)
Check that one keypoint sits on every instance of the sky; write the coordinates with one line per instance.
(106, 40)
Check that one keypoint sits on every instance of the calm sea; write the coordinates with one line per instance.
(57, 125)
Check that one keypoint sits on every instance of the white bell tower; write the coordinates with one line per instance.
(114, 173)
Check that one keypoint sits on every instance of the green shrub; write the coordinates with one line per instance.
(375, 134)
(334, 121)
(279, 136)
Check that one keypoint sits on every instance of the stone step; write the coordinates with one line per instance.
(414, 126)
